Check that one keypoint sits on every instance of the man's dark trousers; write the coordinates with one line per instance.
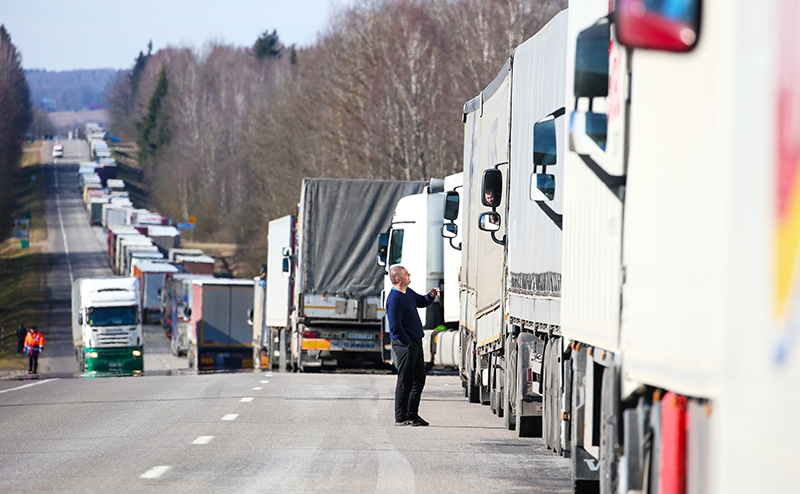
(410, 363)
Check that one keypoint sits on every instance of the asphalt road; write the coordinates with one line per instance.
(177, 431)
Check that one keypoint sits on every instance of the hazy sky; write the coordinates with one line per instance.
(83, 34)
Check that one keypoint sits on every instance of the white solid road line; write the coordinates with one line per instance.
(257, 388)
(61, 223)
(29, 385)
(155, 472)
(230, 416)
(203, 440)
(246, 399)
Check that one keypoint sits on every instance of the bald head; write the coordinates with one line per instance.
(397, 275)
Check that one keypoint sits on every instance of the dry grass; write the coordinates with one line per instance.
(22, 270)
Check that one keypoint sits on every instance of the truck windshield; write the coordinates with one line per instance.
(113, 316)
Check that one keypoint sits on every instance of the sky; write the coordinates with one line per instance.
(61, 35)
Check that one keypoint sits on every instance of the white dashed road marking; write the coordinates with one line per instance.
(230, 416)
(203, 440)
(257, 388)
(264, 382)
(155, 472)
(246, 399)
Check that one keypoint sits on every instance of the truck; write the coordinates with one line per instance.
(106, 325)
(152, 277)
(273, 296)
(175, 299)
(337, 314)
(218, 334)
(414, 240)
(653, 326)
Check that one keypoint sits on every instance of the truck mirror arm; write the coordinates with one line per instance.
(615, 183)
(498, 241)
(456, 247)
(556, 218)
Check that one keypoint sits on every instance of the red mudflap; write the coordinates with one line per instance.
(674, 424)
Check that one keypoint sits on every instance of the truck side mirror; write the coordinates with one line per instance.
(286, 252)
(250, 317)
(285, 265)
(449, 230)
(451, 200)
(492, 188)
(543, 187)
(489, 221)
(80, 318)
(658, 25)
(383, 248)
(591, 61)
(188, 311)
(544, 143)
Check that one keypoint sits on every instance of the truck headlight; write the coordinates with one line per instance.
(91, 355)
(136, 353)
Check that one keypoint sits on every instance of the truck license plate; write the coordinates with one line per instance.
(359, 336)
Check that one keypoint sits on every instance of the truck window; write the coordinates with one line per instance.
(113, 316)
(396, 247)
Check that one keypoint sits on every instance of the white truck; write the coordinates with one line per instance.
(670, 365)
(337, 306)
(273, 296)
(107, 325)
(414, 240)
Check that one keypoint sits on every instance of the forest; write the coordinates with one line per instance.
(15, 118)
(227, 133)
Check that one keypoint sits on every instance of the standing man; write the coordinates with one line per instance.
(405, 329)
(34, 344)
(21, 331)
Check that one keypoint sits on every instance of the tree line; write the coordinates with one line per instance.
(15, 118)
(228, 133)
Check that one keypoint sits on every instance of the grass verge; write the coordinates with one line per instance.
(22, 270)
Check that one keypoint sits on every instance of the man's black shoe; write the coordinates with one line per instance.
(402, 423)
(419, 422)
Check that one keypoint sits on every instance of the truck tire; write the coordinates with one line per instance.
(472, 389)
(509, 385)
(552, 396)
(609, 437)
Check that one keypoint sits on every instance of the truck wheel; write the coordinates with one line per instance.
(509, 385)
(509, 420)
(472, 389)
(552, 397)
(608, 433)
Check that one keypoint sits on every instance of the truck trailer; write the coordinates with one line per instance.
(219, 336)
(337, 315)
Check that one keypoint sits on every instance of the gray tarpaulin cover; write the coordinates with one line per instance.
(340, 222)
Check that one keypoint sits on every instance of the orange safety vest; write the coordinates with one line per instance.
(34, 342)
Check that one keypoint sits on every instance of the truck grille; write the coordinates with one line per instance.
(113, 339)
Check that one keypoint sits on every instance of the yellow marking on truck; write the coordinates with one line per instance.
(489, 340)
(319, 306)
(316, 344)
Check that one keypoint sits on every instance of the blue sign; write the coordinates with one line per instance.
(185, 226)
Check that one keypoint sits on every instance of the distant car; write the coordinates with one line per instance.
(58, 150)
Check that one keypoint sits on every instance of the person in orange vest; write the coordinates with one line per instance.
(34, 344)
